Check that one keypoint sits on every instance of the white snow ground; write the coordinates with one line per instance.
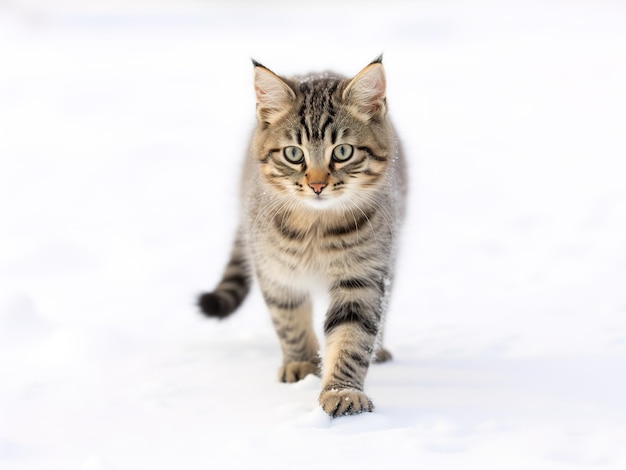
(122, 125)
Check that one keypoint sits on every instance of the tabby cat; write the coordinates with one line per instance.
(323, 195)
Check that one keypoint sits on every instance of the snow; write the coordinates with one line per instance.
(122, 126)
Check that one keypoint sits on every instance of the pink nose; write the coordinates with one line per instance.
(317, 187)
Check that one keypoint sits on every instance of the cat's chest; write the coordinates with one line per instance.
(288, 245)
(312, 251)
(299, 248)
(300, 265)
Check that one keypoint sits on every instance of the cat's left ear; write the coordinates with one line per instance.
(366, 92)
(274, 97)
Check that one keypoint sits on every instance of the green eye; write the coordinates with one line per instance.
(343, 152)
(293, 154)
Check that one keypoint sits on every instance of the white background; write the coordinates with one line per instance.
(122, 128)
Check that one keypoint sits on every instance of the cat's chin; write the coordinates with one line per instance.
(321, 203)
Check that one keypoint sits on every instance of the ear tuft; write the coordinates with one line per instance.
(273, 95)
(366, 92)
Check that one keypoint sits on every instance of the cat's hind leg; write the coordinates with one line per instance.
(382, 355)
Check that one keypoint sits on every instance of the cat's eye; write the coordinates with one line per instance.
(343, 152)
(293, 154)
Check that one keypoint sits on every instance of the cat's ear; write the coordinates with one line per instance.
(365, 93)
(274, 97)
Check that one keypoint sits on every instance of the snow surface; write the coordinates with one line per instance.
(122, 126)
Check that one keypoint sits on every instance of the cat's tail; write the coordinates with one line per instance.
(232, 289)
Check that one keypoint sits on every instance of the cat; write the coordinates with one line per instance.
(323, 192)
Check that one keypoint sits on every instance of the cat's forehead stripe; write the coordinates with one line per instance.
(318, 110)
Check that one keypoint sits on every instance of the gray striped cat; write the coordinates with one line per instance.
(323, 194)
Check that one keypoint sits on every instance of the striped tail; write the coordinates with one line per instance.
(232, 289)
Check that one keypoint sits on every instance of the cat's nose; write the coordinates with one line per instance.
(317, 187)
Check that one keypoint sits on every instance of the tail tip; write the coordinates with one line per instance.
(212, 305)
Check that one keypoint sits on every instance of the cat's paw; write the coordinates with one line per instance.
(382, 355)
(294, 371)
(343, 402)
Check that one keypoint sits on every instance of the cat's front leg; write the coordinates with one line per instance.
(351, 329)
(292, 318)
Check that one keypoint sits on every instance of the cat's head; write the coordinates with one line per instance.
(322, 139)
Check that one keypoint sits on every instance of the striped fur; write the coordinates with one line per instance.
(320, 216)
(233, 287)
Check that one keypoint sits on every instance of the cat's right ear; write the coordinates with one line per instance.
(274, 97)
